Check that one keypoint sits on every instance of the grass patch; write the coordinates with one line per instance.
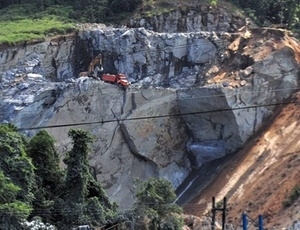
(20, 23)
(16, 31)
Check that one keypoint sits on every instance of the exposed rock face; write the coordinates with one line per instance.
(190, 19)
(194, 96)
(53, 60)
(131, 148)
(154, 59)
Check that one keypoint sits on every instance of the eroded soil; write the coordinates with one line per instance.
(261, 177)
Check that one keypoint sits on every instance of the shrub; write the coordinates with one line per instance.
(293, 196)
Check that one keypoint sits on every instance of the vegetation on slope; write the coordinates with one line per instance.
(292, 197)
(83, 198)
(48, 175)
(156, 203)
(29, 20)
(16, 178)
(12, 210)
(34, 20)
(19, 23)
(34, 187)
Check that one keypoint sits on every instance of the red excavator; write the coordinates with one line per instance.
(95, 70)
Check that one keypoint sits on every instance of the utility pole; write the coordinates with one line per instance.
(260, 222)
(245, 221)
(214, 210)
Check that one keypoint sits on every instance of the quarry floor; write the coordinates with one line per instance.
(260, 177)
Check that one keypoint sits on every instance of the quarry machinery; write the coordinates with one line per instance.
(116, 78)
(95, 70)
(94, 66)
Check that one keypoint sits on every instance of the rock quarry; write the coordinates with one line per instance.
(197, 93)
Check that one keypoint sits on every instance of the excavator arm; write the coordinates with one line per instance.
(96, 66)
(97, 61)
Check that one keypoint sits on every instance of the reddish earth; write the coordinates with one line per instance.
(262, 175)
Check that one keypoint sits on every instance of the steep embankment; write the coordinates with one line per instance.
(262, 175)
(259, 178)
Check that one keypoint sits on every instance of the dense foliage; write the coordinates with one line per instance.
(265, 11)
(34, 190)
(155, 206)
(85, 11)
(12, 210)
(48, 175)
(83, 199)
(285, 13)
(15, 163)
(33, 187)
(16, 178)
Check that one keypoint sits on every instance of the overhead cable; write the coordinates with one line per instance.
(153, 117)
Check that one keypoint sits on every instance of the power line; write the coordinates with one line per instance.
(157, 206)
(235, 93)
(155, 117)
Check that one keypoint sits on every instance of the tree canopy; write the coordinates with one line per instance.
(15, 163)
(83, 200)
(155, 205)
(16, 178)
(285, 12)
(12, 210)
(48, 175)
(84, 11)
(267, 12)
(32, 185)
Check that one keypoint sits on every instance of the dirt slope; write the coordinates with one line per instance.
(262, 175)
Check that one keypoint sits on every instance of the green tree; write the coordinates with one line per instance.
(49, 176)
(15, 163)
(12, 211)
(284, 12)
(155, 206)
(16, 178)
(119, 6)
(84, 200)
